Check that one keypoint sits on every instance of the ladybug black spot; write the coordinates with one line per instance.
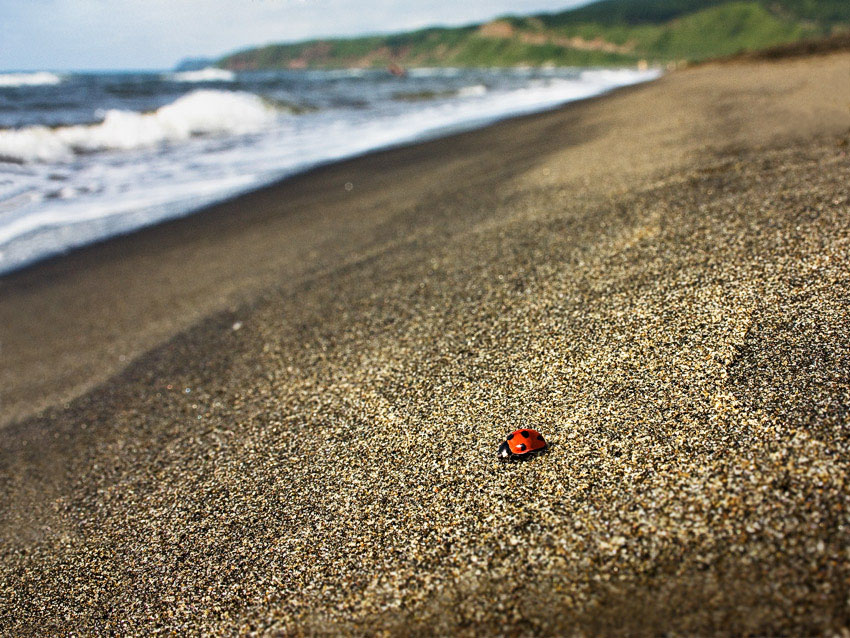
(522, 447)
(525, 434)
(510, 436)
(539, 437)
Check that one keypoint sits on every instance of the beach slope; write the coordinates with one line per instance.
(280, 416)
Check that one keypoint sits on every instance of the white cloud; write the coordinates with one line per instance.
(91, 34)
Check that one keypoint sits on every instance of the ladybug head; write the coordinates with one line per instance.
(504, 452)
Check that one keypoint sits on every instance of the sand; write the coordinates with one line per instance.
(280, 416)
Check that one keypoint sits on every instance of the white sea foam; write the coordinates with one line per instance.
(202, 112)
(472, 91)
(618, 77)
(28, 79)
(200, 192)
(209, 74)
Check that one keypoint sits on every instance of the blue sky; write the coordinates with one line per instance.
(141, 34)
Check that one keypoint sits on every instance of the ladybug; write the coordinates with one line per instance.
(521, 444)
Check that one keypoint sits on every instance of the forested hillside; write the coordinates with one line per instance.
(601, 33)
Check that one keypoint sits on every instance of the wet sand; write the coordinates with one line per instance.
(280, 416)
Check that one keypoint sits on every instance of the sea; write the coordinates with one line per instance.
(87, 156)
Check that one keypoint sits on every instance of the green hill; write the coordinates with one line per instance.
(601, 33)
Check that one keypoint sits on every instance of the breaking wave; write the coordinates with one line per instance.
(210, 74)
(28, 79)
(472, 91)
(202, 112)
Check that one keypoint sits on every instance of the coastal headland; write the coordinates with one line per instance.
(280, 416)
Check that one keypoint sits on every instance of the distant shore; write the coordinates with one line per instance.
(280, 416)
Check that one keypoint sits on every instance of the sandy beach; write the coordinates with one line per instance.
(280, 416)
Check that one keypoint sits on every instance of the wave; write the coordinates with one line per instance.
(209, 74)
(197, 192)
(475, 90)
(622, 76)
(38, 78)
(202, 112)
(472, 91)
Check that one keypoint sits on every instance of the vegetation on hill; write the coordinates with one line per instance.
(602, 33)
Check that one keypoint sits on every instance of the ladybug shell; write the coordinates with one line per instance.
(520, 443)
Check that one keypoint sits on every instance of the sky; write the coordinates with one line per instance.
(156, 34)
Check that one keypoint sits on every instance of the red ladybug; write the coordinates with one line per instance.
(521, 444)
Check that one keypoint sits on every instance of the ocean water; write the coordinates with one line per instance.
(84, 157)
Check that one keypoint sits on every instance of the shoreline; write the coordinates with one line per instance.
(267, 169)
(233, 200)
(301, 437)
